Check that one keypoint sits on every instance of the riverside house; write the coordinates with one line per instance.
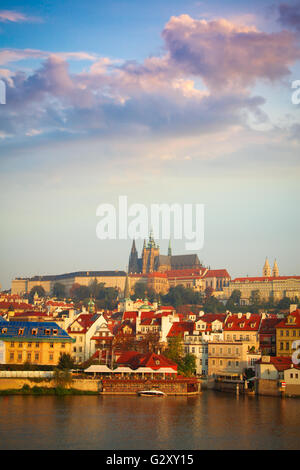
(35, 342)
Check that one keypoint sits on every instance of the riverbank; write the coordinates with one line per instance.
(36, 390)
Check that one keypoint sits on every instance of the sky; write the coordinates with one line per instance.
(186, 102)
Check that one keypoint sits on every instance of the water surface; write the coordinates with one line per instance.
(212, 420)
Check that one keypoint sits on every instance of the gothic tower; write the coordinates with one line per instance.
(133, 266)
(275, 272)
(169, 249)
(266, 269)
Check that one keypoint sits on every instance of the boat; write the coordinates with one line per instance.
(151, 393)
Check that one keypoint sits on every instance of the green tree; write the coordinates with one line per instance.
(62, 378)
(255, 297)
(187, 365)
(59, 290)
(284, 303)
(174, 350)
(66, 362)
(80, 293)
(36, 289)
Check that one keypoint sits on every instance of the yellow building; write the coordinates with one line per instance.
(287, 332)
(34, 342)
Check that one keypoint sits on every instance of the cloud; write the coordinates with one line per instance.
(226, 55)
(289, 15)
(16, 55)
(16, 17)
(201, 85)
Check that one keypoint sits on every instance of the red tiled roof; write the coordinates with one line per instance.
(178, 328)
(284, 323)
(152, 360)
(268, 325)
(260, 279)
(217, 273)
(234, 323)
(279, 362)
(185, 272)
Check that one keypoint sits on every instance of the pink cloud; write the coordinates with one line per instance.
(226, 55)
(15, 17)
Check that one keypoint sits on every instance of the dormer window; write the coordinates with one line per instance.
(34, 331)
(47, 332)
(229, 325)
(252, 325)
(21, 331)
(55, 332)
(242, 325)
(4, 330)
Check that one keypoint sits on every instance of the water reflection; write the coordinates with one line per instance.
(210, 421)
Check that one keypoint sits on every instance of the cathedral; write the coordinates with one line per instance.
(152, 261)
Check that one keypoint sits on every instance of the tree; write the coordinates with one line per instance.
(187, 365)
(66, 362)
(81, 293)
(209, 292)
(284, 303)
(174, 350)
(62, 378)
(59, 290)
(139, 290)
(213, 305)
(255, 297)
(236, 296)
(36, 289)
(149, 343)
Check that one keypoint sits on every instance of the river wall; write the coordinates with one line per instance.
(77, 384)
(131, 387)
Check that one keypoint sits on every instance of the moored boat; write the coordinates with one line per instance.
(151, 393)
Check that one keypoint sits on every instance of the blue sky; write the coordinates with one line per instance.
(165, 101)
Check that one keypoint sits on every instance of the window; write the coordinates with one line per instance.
(47, 332)
(19, 357)
(55, 332)
(51, 345)
(287, 346)
(37, 345)
(36, 356)
(4, 330)
(29, 357)
(50, 357)
(281, 345)
(21, 331)
(20, 345)
(34, 331)
(11, 356)
(29, 345)
(12, 344)
(291, 376)
(62, 345)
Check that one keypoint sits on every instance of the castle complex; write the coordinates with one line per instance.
(269, 286)
(152, 261)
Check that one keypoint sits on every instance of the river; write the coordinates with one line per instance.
(212, 420)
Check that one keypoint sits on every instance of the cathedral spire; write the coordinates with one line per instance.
(126, 289)
(133, 259)
(266, 269)
(169, 249)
